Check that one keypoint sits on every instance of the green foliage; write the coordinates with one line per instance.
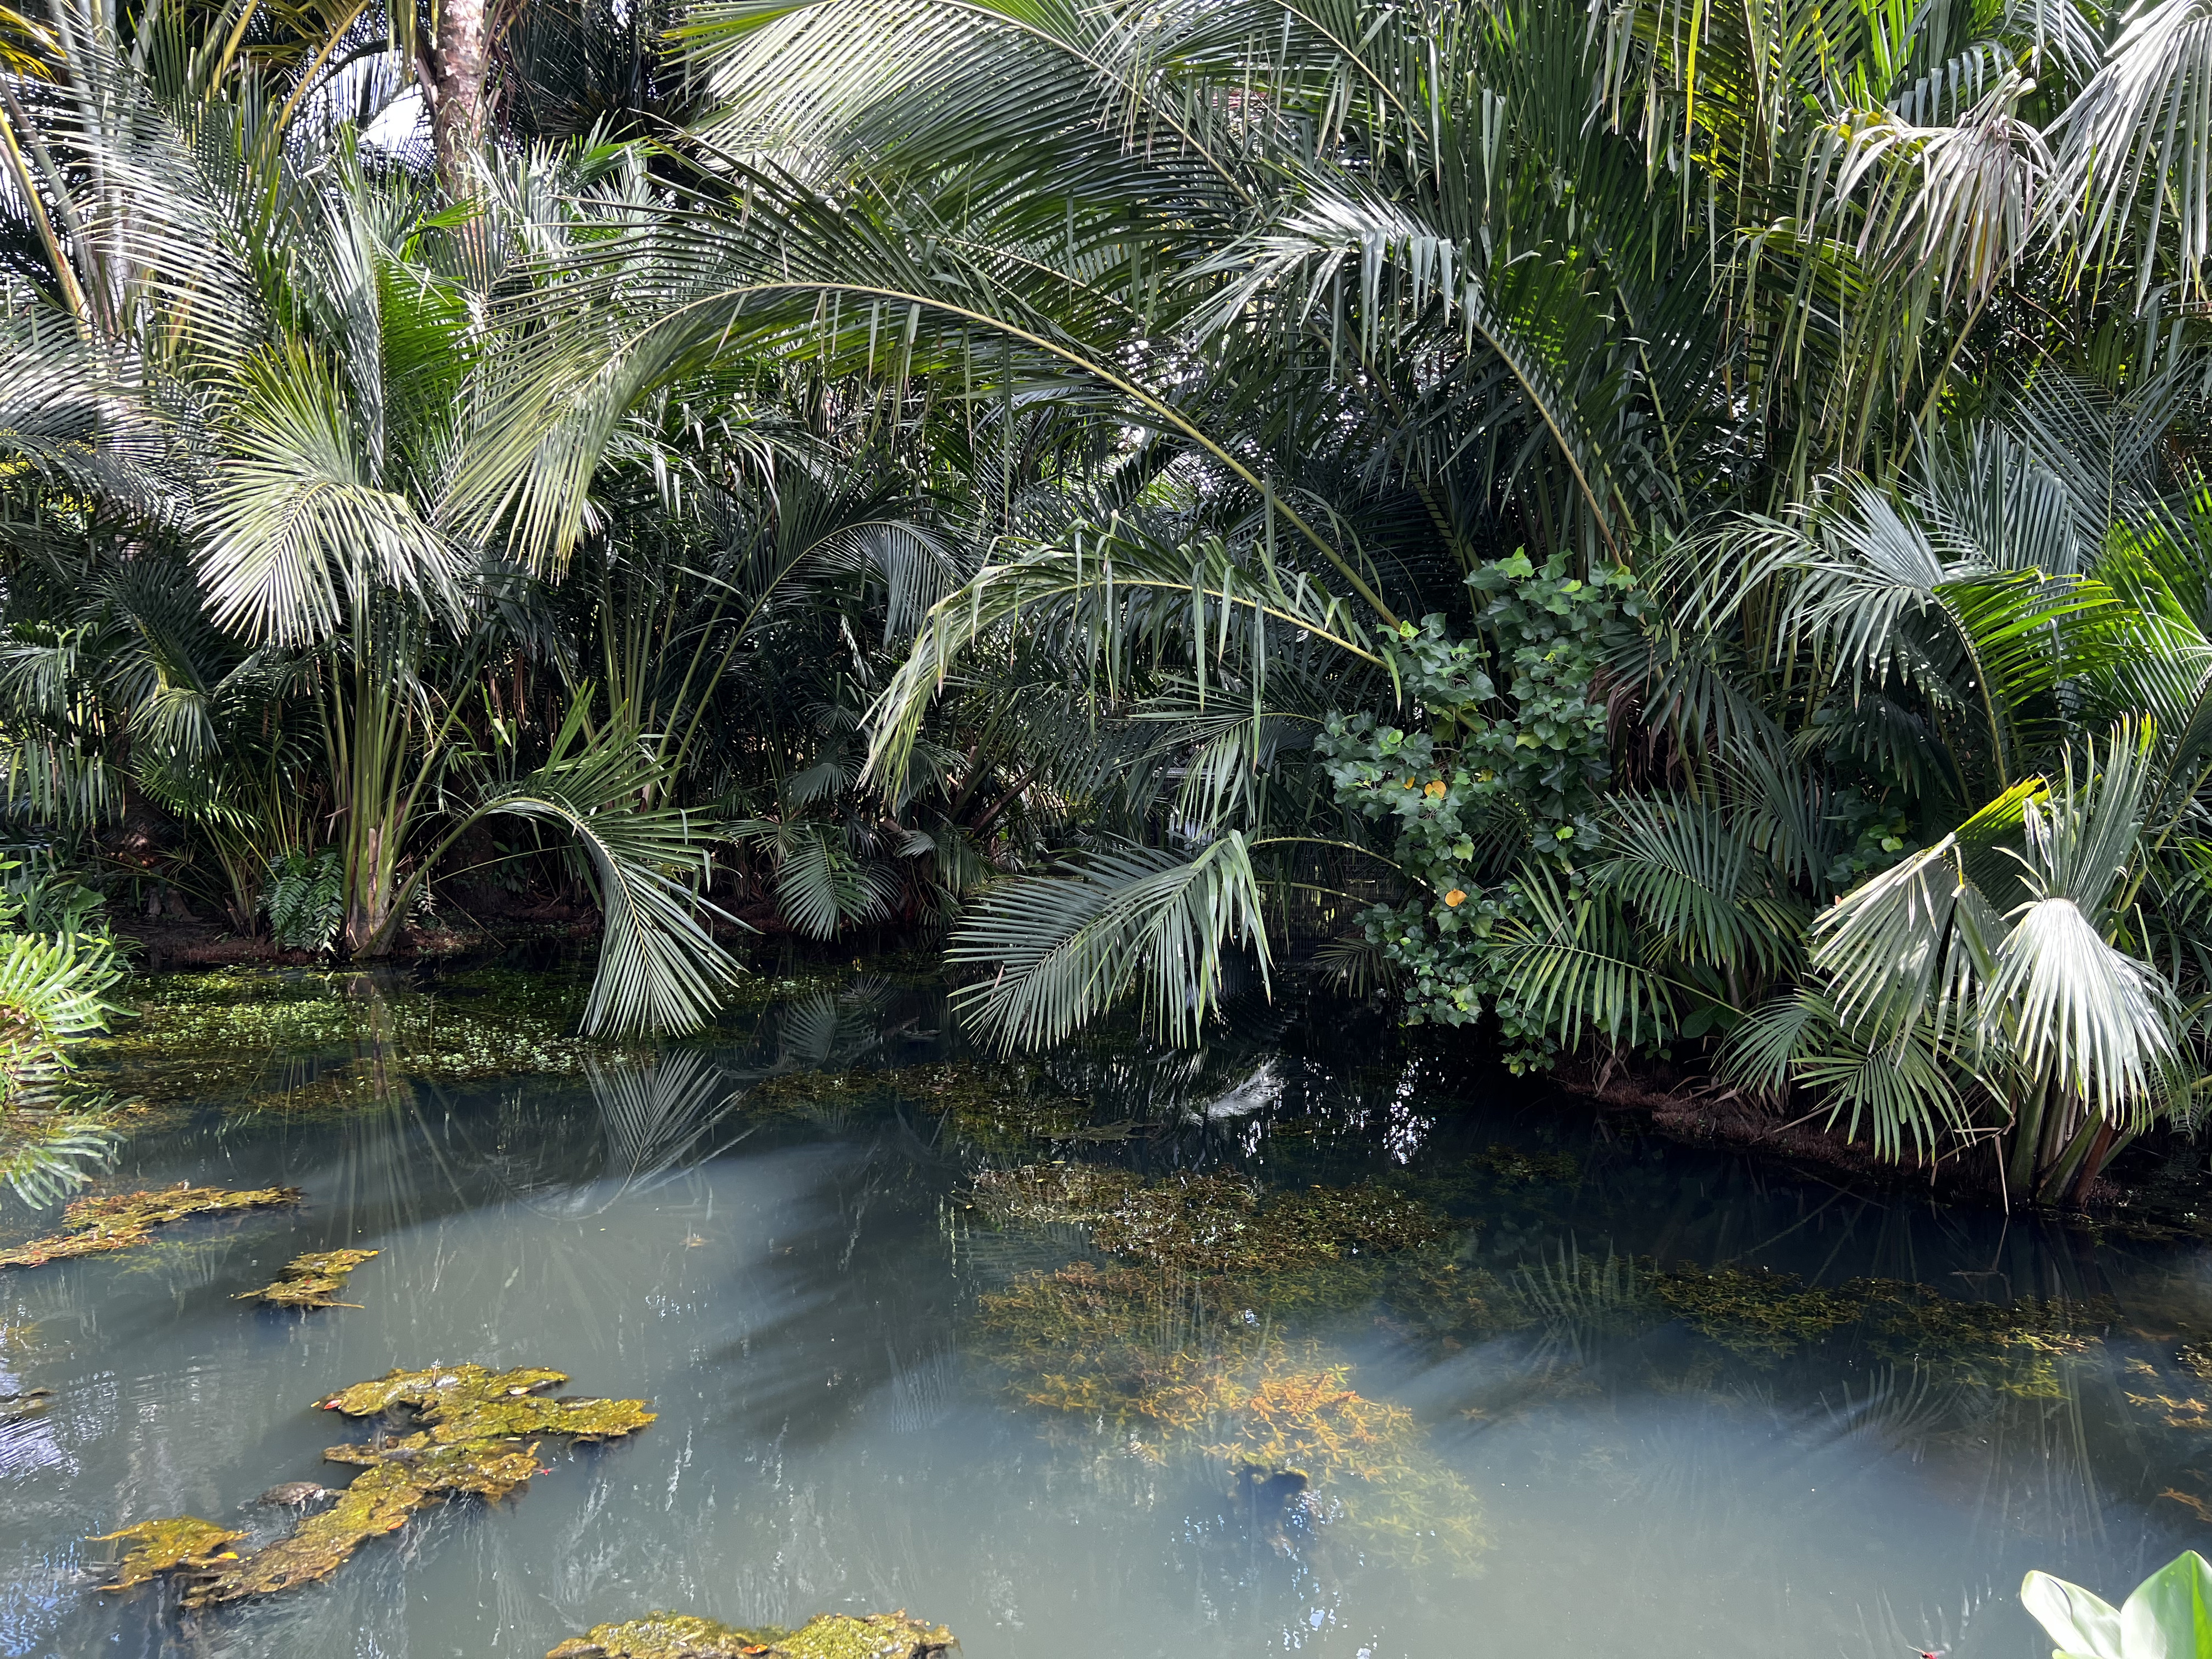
(2168, 1616)
(303, 896)
(1492, 804)
(58, 965)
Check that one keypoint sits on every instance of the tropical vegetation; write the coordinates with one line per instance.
(1652, 535)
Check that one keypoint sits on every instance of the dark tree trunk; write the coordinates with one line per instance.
(457, 112)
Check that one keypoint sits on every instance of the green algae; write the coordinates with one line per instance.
(400, 1480)
(2011, 1347)
(376, 1502)
(287, 1041)
(1003, 1108)
(1213, 1222)
(160, 1547)
(469, 1403)
(827, 1636)
(662, 1636)
(311, 1281)
(581, 1420)
(119, 1220)
(1173, 1364)
(1177, 1347)
(463, 1447)
(432, 1390)
(871, 1635)
(1758, 1314)
(1523, 1167)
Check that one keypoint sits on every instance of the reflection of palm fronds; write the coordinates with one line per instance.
(1580, 1290)
(46, 1156)
(832, 1029)
(993, 1257)
(1901, 1409)
(1584, 1299)
(653, 1118)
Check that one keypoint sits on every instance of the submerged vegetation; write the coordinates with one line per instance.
(1182, 1352)
(472, 1443)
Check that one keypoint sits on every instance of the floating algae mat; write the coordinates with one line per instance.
(311, 1281)
(160, 1547)
(828, 1636)
(471, 1440)
(91, 1226)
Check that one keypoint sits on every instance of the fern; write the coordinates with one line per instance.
(304, 898)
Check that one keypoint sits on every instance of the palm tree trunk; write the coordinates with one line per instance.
(457, 114)
(2025, 1143)
(2093, 1163)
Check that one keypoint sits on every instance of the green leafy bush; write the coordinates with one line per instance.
(1505, 782)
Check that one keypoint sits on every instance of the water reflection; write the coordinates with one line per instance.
(772, 1234)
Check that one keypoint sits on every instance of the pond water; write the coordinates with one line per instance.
(1539, 1427)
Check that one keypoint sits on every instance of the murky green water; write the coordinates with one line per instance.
(792, 1276)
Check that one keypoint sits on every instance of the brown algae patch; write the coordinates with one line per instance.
(466, 1444)
(116, 1222)
(160, 1547)
(311, 1281)
(827, 1636)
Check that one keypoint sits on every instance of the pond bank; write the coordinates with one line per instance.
(2150, 1206)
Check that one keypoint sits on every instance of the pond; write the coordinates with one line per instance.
(1304, 1343)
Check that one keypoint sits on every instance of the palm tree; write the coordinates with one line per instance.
(317, 376)
(1377, 295)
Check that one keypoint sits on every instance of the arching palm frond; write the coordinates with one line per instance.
(1064, 948)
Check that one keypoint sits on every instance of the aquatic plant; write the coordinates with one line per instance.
(1179, 1348)
(1518, 1164)
(311, 1281)
(2168, 1616)
(119, 1220)
(826, 1636)
(1754, 1313)
(160, 1547)
(1212, 1223)
(998, 1107)
(204, 1035)
(471, 1444)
